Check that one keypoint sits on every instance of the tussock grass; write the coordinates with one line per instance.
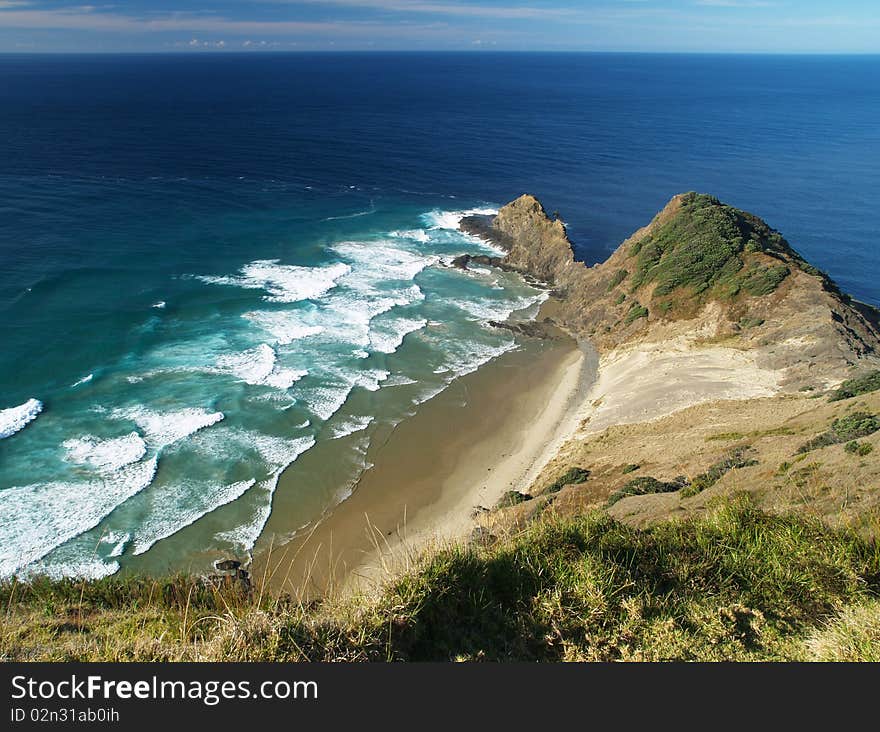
(730, 436)
(736, 584)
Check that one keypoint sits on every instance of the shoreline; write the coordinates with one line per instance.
(488, 433)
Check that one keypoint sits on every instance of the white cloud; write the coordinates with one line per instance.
(92, 20)
(446, 8)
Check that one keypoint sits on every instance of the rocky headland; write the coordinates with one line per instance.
(700, 268)
(719, 345)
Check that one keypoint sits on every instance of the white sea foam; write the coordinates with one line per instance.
(106, 455)
(280, 453)
(284, 378)
(333, 386)
(258, 366)
(482, 356)
(162, 429)
(437, 219)
(284, 282)
(486, 309)
(374, 284)
(38, 518)
(118, 540)
(398, 380)
(158, 305)
(324, 401)
(353, 312)
(464, 358)
(181, 506)
(429, 393)
(419, 235)
(386, 336)
(382, 260)
(284, 327)
(17, 418)
(468, 357)
(83, 380)
(356, 423)
(372, 379)
(252, 366)
(484, 275)
(355, 215)
(70, 565)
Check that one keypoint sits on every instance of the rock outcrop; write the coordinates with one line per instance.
(700, 270)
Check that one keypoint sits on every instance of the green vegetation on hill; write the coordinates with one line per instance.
(636, 311)
(736, 459)
(619, 277)
(851, 427)
(859, 449)
(708, 249)
(573, 476)
(856, 387)
(511, 498)
(645, 485)
(736, 584)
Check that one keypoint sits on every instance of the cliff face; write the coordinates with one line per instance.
(703, 271)
(534, 243)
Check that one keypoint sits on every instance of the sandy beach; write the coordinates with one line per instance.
(485, 435)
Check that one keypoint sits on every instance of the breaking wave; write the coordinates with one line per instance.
(17, 418)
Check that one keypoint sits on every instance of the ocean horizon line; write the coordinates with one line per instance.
(251, 51)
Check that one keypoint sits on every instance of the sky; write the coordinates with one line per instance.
(204, 26)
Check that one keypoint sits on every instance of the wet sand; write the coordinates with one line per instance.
(463, 449)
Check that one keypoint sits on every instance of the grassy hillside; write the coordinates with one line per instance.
(712, 248)
(704, 251)
(736, 583)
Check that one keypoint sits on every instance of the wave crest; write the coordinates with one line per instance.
(14, 419)
(285, 283)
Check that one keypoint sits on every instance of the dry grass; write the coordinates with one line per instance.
(839, 485)
(853, 635)
(736, 584)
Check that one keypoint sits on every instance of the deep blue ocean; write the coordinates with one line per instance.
(210, 264)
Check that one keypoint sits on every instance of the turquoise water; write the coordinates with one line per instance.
(228, 376)
(213, 266)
